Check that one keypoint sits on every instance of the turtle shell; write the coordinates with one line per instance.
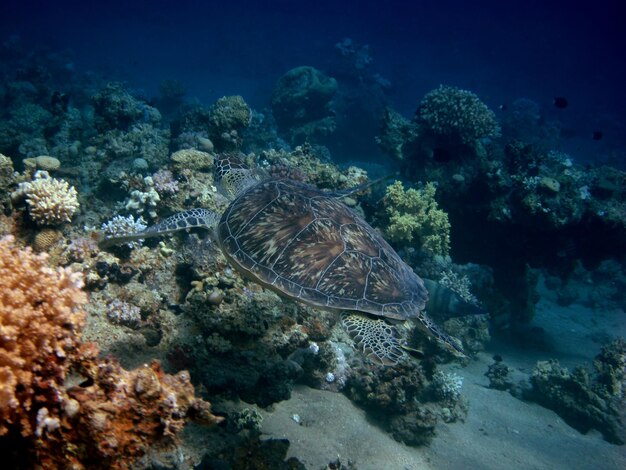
(309, 246)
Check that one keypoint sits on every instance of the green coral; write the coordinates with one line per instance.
(414, 215)
(458, 114)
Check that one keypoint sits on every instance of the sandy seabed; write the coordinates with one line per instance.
(500, 432)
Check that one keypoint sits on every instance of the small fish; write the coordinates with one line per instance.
(502, 107)
(597, 135)
(560, 102)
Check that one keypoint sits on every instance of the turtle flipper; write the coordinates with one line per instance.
(193, 218)
(376, 338)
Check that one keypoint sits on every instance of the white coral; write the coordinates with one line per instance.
(119, 226)
(144, 201)
(50, 201)
(447, 386)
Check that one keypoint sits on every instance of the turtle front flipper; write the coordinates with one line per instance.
(193, 218)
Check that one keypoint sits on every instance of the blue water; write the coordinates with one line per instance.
(500, 50)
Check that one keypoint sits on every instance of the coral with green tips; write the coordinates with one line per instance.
(414, 215)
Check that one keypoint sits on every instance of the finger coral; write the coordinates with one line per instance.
(60, 405)
(50, 201)
(414, 215)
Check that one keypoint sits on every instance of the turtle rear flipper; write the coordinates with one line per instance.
(194, 218)
(375, 337)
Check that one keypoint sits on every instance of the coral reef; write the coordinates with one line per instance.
(228, 117)
(191, 160)
(586, 400)
(50, 201)
(116, 108)
(456, 114)
(447, 386)
(120, 225)
(123, 313)
(41, 320)
(414, 215)
(144, 200)
(499, 375)
(59, 403)
(520, 193)
(6, 181)
(404, 402)
(302, 104)
(42, 162)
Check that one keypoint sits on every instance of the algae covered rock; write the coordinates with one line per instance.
(228, 116)
(302, 104)
(583, 400)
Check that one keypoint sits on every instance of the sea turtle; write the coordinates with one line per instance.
(307, 245)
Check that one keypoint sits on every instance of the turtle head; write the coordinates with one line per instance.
(232, 176)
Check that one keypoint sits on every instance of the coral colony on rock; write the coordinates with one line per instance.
(175, 271)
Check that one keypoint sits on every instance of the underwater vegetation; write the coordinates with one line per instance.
(107, 350)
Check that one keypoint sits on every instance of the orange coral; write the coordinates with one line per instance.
(40, 324)
(108, 420)
(116, 415)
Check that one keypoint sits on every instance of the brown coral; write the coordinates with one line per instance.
(112, 417)
(40, 324)
(116, 415)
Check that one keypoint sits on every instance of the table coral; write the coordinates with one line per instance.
(414, 215)
(60, 405)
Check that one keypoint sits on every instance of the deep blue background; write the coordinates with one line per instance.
(500, 50)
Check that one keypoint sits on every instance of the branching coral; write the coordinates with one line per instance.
(107, 421)
(414, 214)
(50, 201)
(120, 225)
(458, 114)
